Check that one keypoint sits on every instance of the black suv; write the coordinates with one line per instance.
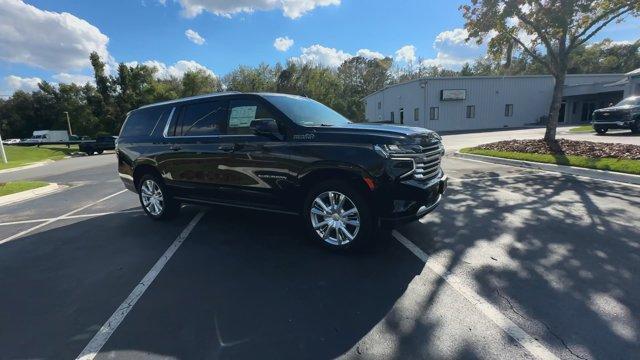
(98, 146)
(281, 153)
(624, 115)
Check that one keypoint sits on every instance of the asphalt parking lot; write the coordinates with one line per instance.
(514, 264)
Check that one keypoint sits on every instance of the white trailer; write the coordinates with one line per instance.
(40, 136)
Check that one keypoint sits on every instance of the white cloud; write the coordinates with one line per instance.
(176, 70)
(324, 56)
(370, 54)
(406, 53)
(47, 39)
(283, 43)
(291, 8)
(77, 79)
(330, 57)
(194, 37)
(14, 83)
(453, 51)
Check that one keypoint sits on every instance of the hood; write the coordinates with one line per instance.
(617, 108)
(377, 129)
(375, 133)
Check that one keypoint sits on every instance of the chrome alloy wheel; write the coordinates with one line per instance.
(335, 218)
(152, 197)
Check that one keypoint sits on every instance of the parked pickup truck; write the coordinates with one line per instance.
(624, 115)
(98, 146)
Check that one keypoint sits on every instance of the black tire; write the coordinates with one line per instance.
(100, 152)
(353, 199)
(635, 128)
(170, 207)
(601, 130)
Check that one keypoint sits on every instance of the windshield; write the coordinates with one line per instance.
(634, 101)
(306, 112)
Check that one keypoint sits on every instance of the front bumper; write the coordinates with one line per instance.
(425, 200)
(622, 124)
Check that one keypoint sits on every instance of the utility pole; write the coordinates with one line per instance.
(68, 123)
(4, 155)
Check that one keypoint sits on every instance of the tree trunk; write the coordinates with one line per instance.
(554, 110)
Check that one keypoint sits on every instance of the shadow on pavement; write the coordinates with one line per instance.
(248, 285)
(572, 256)
(59, 285)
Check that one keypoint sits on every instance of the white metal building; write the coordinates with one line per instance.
(467, 103)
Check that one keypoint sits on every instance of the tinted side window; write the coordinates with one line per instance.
(242, 112)
(200, 119)
(142, 122)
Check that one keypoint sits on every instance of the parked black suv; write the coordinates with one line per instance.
(99, 145)
(281, 153)
(624, 115)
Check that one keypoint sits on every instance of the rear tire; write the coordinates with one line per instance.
(601, 130)
(100, 152)
(337, 216)
(155, 198)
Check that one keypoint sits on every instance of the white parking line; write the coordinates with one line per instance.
(100, 338)
(27, 231)
(534, 347)
(71, 217)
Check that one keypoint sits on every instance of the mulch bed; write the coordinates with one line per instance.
(568, 147)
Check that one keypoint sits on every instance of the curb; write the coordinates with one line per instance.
(564, 169)
(30, 166)
(30, 194)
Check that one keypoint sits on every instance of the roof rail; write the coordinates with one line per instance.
(204, 96)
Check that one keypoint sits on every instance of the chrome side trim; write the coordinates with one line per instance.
(210, 202)
(125, 176)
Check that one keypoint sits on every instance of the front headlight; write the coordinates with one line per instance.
(393, 150)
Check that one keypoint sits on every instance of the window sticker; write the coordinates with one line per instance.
(242, 116)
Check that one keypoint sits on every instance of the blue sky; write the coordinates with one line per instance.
(41, 42)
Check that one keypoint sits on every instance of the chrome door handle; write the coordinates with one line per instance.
(227, 147)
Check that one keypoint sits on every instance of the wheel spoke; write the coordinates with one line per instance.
(346, 232)
(340, 201)
(332, 199)
(352, 222)
(317, 211)
(350, 212)
(322, 205)
(319, 225)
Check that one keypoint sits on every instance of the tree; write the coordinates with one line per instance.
(557, 27)
(199, 82)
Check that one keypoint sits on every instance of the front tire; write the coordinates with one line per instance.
(155, 199)
(337, 216)
(601, 130)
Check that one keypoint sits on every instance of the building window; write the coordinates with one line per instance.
(379, 105)
(416, 114)
(471, 111)
(401, 116)
(434, 113)
(508, 110)
(393, 117)
(574, 107)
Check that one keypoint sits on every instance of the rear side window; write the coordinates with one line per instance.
(243, 112)
(142, 122)
(202, 119)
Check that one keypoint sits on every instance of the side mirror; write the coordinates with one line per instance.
(266, 127)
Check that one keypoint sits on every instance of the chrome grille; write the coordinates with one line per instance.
(428, 162)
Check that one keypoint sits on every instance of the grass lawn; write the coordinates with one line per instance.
(610, 164)
(24, 155)
(582, 129)
(15, 187)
